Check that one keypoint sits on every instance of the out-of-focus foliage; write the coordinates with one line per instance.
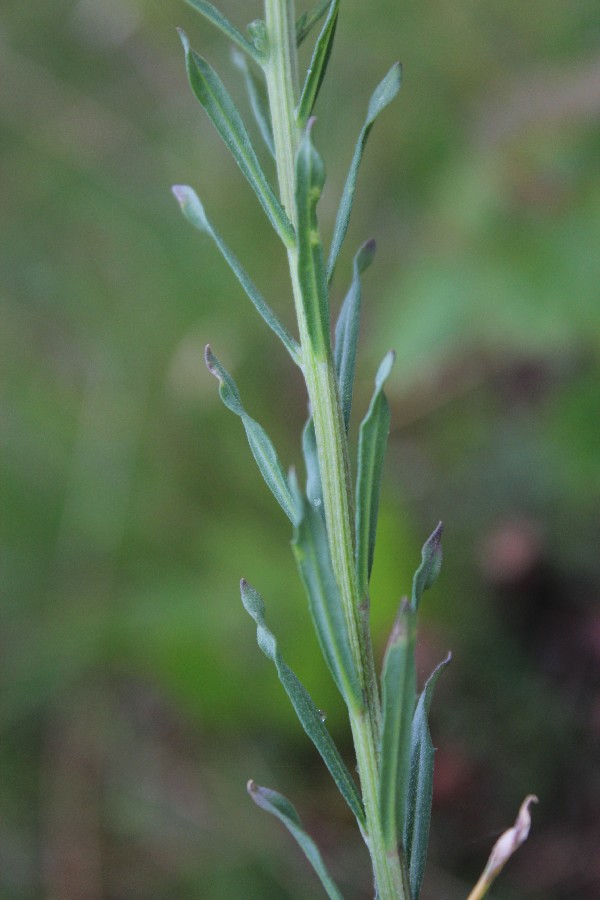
(135, 703)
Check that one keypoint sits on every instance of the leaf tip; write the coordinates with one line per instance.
(184, 40)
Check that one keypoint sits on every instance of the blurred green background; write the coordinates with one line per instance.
(135, 703)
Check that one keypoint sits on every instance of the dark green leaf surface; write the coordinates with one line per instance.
(280, 806)
(346, 330)
(372, 442)
(308, 19)
(194, 212)
(420, 785)
(431, 563)
(311, 549)
(217, 18)
(310, 178)
(318, 66)
(383, 94)
(305, 708)
(261, 445)
(259, 103)
(214, 97)
(398, 705)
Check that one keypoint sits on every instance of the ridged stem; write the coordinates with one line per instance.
(332, 448)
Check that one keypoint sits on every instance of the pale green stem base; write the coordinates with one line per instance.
(280, 70)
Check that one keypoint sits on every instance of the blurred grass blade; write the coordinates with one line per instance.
(308, 714)
(314, 488)
(431, 563)
(504, 848)
(262, 448)
(318, 65)
(398, 705)
(383, 94)
(258, 101)
(213, 96)
(420, 785)
(372, 442)
(311, 549)
(193, 210)
(280, 806)
(308, 19)
(217, 18)
(346, 330)
(310, 178)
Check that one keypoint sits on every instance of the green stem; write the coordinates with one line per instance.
(319, 372)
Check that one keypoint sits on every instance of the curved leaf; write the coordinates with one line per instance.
(431, 563)
(260, 443)
(307, 712)
(398, 705)
(194, 212)
(318, 65)
(346, 330)
(372, 442)
(280, 806)
(383, 94)
(213, 96)
(311, 549)
(420, 784)
(217, 18)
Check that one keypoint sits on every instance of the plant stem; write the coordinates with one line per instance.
(321, 381)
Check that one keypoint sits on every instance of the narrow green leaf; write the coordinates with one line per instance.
(420, 785)
(217, 18)
(398, 705)
(259, 103)
(280, 806)
(308, 19)
(431, 563)
(261, 445)
(346, 330)
(318, 65)
(194, 212)
(314, 488)
(372, 442)
(213, 96)
(311, 549)
(383, 94)
(308, 714)
(310, 178)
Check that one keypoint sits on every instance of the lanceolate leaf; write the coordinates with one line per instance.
(431, 563)
(346, 330)
(262, 448)
(280, 806)
(318, 65)
(420, 785)
(308, 19)
(194, 212)
(310, 178)
(217, 18)
(398, 705)
(212, 94)
(372, 441)
(311, 549)
(258, 101)
(383, 94)
(307, 712)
